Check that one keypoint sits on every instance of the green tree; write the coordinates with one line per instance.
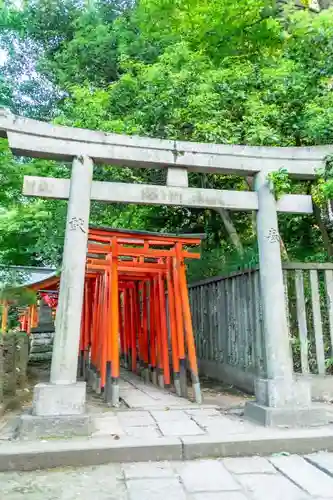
(198, 70)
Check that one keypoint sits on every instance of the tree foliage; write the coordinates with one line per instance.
(242, 72)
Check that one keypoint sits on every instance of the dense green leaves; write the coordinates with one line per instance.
(200, 70)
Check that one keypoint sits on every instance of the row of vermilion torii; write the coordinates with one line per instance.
(135, 311)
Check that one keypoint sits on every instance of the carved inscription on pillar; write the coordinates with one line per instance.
(273, 236)
(77, 223)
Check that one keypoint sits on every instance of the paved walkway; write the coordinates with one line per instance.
(152, 412)
(147, 412)
(275, 478)
(181, 422)
(138, 394)
(155, 425)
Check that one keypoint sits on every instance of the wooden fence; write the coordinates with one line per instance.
(228, 322)
(309, 288)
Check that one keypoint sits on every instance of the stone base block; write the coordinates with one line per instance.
(33, 427)
(280, 392)
(287, 416)
(56, 400)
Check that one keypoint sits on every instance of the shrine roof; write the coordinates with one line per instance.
(30, 275)
(194, 236)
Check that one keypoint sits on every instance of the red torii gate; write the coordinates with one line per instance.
(127, 277)
(136, 308)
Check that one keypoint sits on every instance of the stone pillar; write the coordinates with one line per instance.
(280, 399)
(278, 362)
(64, 395)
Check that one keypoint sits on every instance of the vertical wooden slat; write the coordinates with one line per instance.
(329, 298)
(250, 322)
(286, 301)
(233, 302)
(210, 316)
(246, 307)
(286, 298)
(197, 314)
(240, 339)
(301, 320)
(237, 323)
(317, 324)
(192, 294)
(197, 320)
(230, 323)
(202, 321)
(225, 329)
(257, 328)
(228, 340)
(216, 300)
(221, 322)
(206, 320)
(251, 318)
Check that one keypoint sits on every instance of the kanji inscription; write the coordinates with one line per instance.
(77, 223)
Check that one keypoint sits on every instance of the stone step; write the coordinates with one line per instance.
(44, 454)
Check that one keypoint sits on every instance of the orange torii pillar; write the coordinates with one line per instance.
(112, 341)
(4, 316)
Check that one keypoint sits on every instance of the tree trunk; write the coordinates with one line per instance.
(250, 183)
(230, 227)
(227, 221)
(323, 229)
(283, 249)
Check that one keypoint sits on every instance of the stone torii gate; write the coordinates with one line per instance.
(280, 399)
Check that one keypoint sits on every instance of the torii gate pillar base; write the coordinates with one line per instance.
(282, 403)
(59, 399)
(32, 427)
(58, 411)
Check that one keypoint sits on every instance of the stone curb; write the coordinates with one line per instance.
(299, 442)
(33, 455)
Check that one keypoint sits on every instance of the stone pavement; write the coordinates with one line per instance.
(274, 478)
(155, 425)
(136, 393)
(153, 413)
(170, 422)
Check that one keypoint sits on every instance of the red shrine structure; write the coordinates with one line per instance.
(136, 309)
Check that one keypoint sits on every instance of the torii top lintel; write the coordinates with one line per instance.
(35, 138)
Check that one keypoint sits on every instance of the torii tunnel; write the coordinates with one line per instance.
(136, 310)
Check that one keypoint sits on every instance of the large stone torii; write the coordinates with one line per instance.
(280, 399)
